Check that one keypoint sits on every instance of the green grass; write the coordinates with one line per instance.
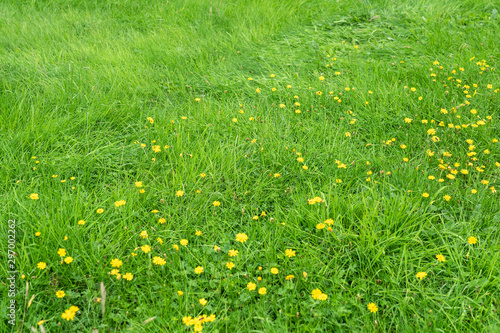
(79, 80)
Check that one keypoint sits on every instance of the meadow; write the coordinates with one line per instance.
(250, 165)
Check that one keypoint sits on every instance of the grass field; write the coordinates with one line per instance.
(250, 166)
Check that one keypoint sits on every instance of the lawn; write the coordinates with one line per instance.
(249, 166)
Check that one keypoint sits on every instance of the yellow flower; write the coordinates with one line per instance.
(440, 258)
(150, 120)
(216, 203)
(328, 221)
(176, 247)
(230, 265)
(241, 237)
(60, 294)
(425, 195)
(161, 220)
(421, 275)
(68, 260)
(41, 322)
(317, 199)
(188, 321)
(198, 233)
(203, 175)
(38, 233)
(290, 277)
(203, 301)
(128, 276)
(372, 307)
(255, 217)
(114, 272)
(159, 261)
(41, 265)
(61, 252)
(184, 242)
(262, 291)
(274, 270)
(100, 211)
(143, 234)
(319, 295)
(116, 263)
(138, 184)
(81, 222)
(198, 270)
(34, 196)
(447, 197)
(472, 240)
(251, 286)
(290, 253)
(146, 248)
(120, 203)
(68, 315)
(180, 293)
(179, 193)
(233, 253)
(320, 226)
